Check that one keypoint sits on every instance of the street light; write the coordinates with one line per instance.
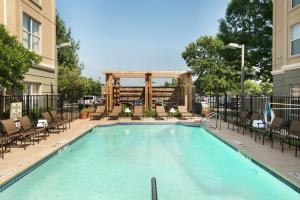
(242, 47)
(62, 45)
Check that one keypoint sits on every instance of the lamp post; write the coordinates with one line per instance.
(242, 47)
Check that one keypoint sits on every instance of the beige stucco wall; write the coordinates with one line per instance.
(284, 65)
(284, 17)
(46, 72)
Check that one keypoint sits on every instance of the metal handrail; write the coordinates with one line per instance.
(153, 188)
(215, 115)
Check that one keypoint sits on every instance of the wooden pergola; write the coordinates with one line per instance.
(185, 78)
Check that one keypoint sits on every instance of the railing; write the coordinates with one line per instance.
(153, 188)
(212, 115)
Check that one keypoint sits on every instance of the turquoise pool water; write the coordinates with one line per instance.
(117, 162)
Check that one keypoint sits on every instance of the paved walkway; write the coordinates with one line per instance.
(285, 164)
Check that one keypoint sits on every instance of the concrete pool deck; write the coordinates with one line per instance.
(285, 164)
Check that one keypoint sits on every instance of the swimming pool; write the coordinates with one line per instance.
(117, 162)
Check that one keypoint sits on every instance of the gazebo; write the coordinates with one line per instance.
(113, 88)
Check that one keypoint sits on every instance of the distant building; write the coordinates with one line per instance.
(286, 47)
(33, 23)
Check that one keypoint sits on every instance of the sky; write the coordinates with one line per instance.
(138, 34)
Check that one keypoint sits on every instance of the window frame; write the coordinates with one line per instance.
(291, 40)
(31, 34)
(294, 6)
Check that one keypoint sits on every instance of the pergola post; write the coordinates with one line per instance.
(110, 92)
(189, 84)
(146, 91)
(150, 91)
(107, 92)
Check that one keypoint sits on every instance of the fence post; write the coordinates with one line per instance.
(225, 107)
(61, 105)
(47, 102)
(237, 107)
(27, 105)
(251, 102)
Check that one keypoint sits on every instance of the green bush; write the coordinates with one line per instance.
(150, 113)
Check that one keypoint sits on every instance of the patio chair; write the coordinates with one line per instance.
(293, 134)
(161, 112)
(115, 113)
(51, 124)
(5, 144)
(59, 119)
(138, 112)
(26, 125)
(249, 123)
(99, 112)
(15, 134)
(269, 131)
(184, 112)
(241, 118)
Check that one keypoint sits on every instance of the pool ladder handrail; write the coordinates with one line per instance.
(211, 115)
(153, 188)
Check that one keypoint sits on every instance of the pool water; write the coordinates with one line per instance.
(117, 163)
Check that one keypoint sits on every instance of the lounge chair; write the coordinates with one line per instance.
(115, 113)
(184, 112)
(26, 125)
(269, 131)
(59, 119)
(52, 125)
(161, 112)
(99, 112)
(241, 118)
(249, 123)
(293, 134)
(16, 135)
(138, 112)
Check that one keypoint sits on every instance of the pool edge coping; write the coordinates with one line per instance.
(14, 179)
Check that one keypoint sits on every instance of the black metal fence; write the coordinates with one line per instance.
(229, 107)
(34, 105)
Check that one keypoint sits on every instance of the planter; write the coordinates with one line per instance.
(83, 115)
(207, 111)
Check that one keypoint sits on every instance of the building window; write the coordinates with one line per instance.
(31, 33)
(32, 88)
(295, 39)
(295, 90)
(295, 3)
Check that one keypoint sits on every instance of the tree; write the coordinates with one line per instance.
(72, 83)
(252, 88)
(250, 23)
(67, 57)
(70, 80)
(205, 58)
(173, 83)
(15, 61)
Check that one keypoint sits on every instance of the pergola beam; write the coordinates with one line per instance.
(143, 74)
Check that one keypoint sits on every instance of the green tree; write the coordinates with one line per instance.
(173, 83)
(70, 80)
(15, 61)
(67, 57)
(250, 23)
(252, 88)
(72, 83)
(205, 58)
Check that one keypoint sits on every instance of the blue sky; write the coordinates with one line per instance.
(138, 34)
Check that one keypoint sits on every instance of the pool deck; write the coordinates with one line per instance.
(285, 164)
